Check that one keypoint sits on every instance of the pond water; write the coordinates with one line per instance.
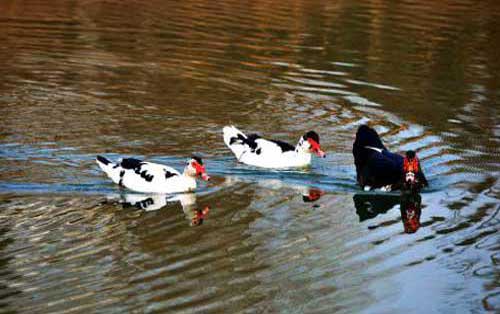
(159, 80)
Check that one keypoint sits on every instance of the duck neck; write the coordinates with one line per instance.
(300, 149)
(188, 174)
(189, 181)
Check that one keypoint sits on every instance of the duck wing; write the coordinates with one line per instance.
(272, 147)
(238, 142)
(284, 146)
(136, 174)
(367, 142)
(381, 169)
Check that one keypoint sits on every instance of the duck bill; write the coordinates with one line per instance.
(316, 149)
(200, 170)
(320, 153)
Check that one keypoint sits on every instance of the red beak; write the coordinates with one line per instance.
(316, 148)
(200, 170)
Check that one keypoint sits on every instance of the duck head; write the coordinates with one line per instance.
(309, 143)
(411, 170)
(195, 168)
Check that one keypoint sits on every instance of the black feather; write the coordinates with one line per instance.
(410, 154)
(198, 159)
(312, 135)
(365, 136)
(103, 160)
(242, 140)
(285, 147)
(136, 165)
(122, 173)
(251, 141)
(148, 177)
(169, 174)
(131, 163)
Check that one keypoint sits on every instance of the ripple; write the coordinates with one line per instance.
(159, 80)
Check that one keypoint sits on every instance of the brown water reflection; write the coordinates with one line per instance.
(159, 79)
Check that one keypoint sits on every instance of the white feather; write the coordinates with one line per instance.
(139, 182)
(267, 154)
(237, 148)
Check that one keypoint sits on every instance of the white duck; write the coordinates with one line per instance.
(147, 177)
(256, 151)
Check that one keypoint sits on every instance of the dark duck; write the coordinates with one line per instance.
(377, 167)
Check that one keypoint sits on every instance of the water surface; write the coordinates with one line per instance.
(159, 79)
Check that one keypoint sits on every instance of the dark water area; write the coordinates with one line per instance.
(159, 80)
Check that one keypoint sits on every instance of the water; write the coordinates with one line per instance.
(158, 80)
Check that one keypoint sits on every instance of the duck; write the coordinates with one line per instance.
(147, 177)
(377, 167)
(254, 150)
(153, 202)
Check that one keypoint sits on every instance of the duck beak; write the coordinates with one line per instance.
(321, 153)
(316, 148)
(200, 170)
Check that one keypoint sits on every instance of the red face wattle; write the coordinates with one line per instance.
(315, 148)
(200, 171)
(410, 168)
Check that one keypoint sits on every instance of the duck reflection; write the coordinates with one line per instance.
(369, 206)
(411, 209)
(152, 202)
(309, 194)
